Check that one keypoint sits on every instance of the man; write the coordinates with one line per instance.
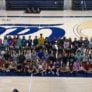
(14, 40)
(41, 40)
(35, 41)
(29, 42)
(24, 42)
(15, 90)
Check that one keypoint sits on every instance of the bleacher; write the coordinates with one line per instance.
(42, 4)
(82, 4)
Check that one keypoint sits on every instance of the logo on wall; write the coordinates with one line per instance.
(28, 29)
(83, 29)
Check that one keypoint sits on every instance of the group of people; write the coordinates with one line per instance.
(39, 55)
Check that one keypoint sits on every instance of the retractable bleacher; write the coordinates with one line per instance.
(82, 4)
(42, 4)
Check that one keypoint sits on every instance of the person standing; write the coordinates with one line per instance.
(41, 40)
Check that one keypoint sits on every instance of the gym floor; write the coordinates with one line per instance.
(45, 84)
(48, 84)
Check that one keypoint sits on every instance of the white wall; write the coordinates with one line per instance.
(67, 4)
(2, 4)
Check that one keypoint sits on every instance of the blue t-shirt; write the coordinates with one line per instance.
(41, 54)
(24, 42)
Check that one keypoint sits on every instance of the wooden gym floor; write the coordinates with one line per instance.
(45, 84)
